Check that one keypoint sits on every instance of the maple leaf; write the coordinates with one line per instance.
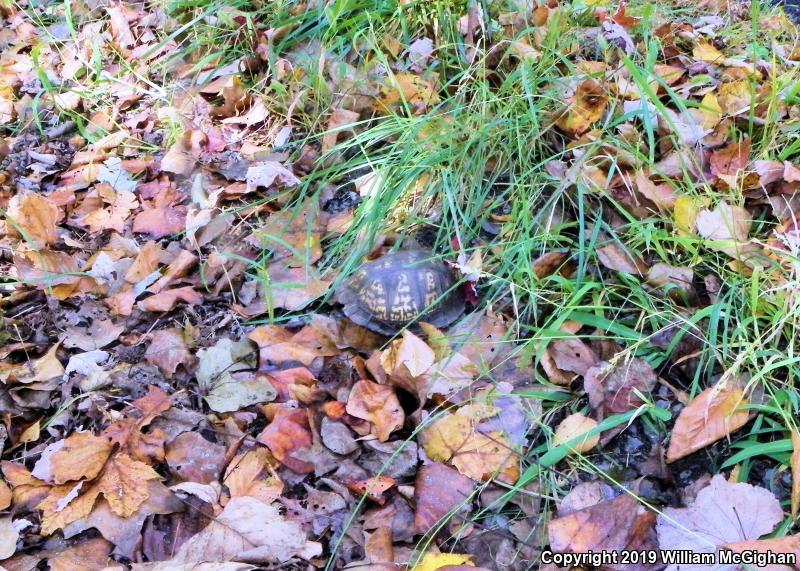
(81, 455)
(124, 483)
(65, 504)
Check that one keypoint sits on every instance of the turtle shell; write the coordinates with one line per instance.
(389, 293)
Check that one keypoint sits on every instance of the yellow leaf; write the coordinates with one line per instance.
(710, 111)
(685, 212)
(586, 106)
(704, 51)
(405, 87)
(63, 505)
(124, 484)
(433, 561)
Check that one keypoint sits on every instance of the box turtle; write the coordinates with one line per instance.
(389, 293)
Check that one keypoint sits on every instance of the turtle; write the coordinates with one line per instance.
(401, 288)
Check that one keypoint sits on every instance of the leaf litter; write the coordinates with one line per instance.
(177, 394)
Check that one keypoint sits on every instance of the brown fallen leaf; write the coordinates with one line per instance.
(168, 350)
(100, 333)
(339, 119)
(81, 455)
(249, 474)
(129, 434)
(288, 433)
(124, 483)
(440, 493)
(249, 531)
(377, 404)
(713, 414)
(616, 257)
(65, 504)
(722, 513)
(406, 88)
(614, 525)
(612, 388)
(33, 218)
(88, 555)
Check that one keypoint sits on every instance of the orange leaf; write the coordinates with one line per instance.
(33, 217)
(586, 106)
(124, 484)
(82, 455)
(286, 434)
(63, 505)
(713, 414)
(379, 405)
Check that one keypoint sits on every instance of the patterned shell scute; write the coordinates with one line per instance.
(398, 288)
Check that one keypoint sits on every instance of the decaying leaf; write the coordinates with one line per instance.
(585, 107)
(614, 525)
(722, 513)
(379, 405)
(713, 414)
(249, 531)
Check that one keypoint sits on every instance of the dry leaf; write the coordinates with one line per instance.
(614, 525)
(617, 258)
(585, 107)
(287, 434)
(124, 483)
(168, 351)
(440, 492)
(705, 51)
(574, 426)
(722, 513)
(33, 217)
(377, 404)
(250, 531)
(82, 455)
(713, 414)
(411, 352)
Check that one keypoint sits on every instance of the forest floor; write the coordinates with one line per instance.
(184, 186)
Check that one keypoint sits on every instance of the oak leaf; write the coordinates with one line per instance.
(65, 504)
